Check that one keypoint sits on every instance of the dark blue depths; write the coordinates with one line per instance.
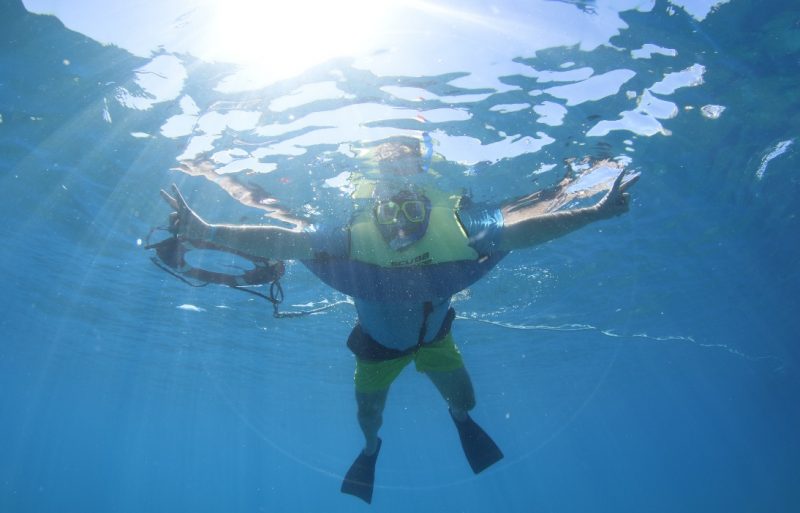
(679, 395)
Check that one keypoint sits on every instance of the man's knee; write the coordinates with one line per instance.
(370, 404)
(456, 388)
(464, 401)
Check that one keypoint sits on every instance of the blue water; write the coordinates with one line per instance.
(645, 363)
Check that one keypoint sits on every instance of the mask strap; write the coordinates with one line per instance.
(426, 160)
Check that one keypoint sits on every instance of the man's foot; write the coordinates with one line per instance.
(360, 479)
(372, 446)
(479, 448)
(459, 415)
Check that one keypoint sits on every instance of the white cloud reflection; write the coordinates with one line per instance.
(592, 89)
(309, 93)
(488, 48)
(160, 80)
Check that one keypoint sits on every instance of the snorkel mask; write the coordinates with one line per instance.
(401, 210)
(403, 218)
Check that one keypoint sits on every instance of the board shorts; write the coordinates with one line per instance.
(377, 375)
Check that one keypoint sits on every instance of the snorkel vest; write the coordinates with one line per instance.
(437, 266)
(444, 239)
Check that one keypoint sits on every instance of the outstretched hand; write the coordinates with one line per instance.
(184, 222)
(617, 199)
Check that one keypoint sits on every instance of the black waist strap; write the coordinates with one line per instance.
(368, 349)
(427, 308)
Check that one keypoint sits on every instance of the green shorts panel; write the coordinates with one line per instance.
(441, 356)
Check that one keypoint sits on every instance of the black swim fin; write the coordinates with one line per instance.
(479, 448)
(361, 476)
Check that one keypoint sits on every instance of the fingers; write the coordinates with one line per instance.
(622, 183)
(630, 179)
(175, 200)
(169, 199)
(174, 222)
(618, 182)
(179, 196)
(177, 219)
(616, 200)
(614, 192)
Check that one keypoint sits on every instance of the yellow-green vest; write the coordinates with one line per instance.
(444, 241)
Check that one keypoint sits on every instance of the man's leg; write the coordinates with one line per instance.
(456, 388)
(442, 362)
(360, 478)
(370, 416)
(372, 380)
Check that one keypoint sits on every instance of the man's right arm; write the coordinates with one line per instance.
(261, 240)
(256, 240)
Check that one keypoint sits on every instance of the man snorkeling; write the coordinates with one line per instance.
(405, 252)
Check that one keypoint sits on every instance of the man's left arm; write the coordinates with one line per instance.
(525, 225)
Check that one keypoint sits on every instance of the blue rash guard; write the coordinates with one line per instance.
(390, 301)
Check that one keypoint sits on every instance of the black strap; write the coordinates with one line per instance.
(368, 349)
(170, 255)
(427, 308)
(447, 325)
(173, 273)
(276, 298)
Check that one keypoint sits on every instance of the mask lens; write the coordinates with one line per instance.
(386, 212)
(414, 210)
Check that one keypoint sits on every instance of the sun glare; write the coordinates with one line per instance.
(279, 39)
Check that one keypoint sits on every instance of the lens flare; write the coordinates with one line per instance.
(275, 40)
